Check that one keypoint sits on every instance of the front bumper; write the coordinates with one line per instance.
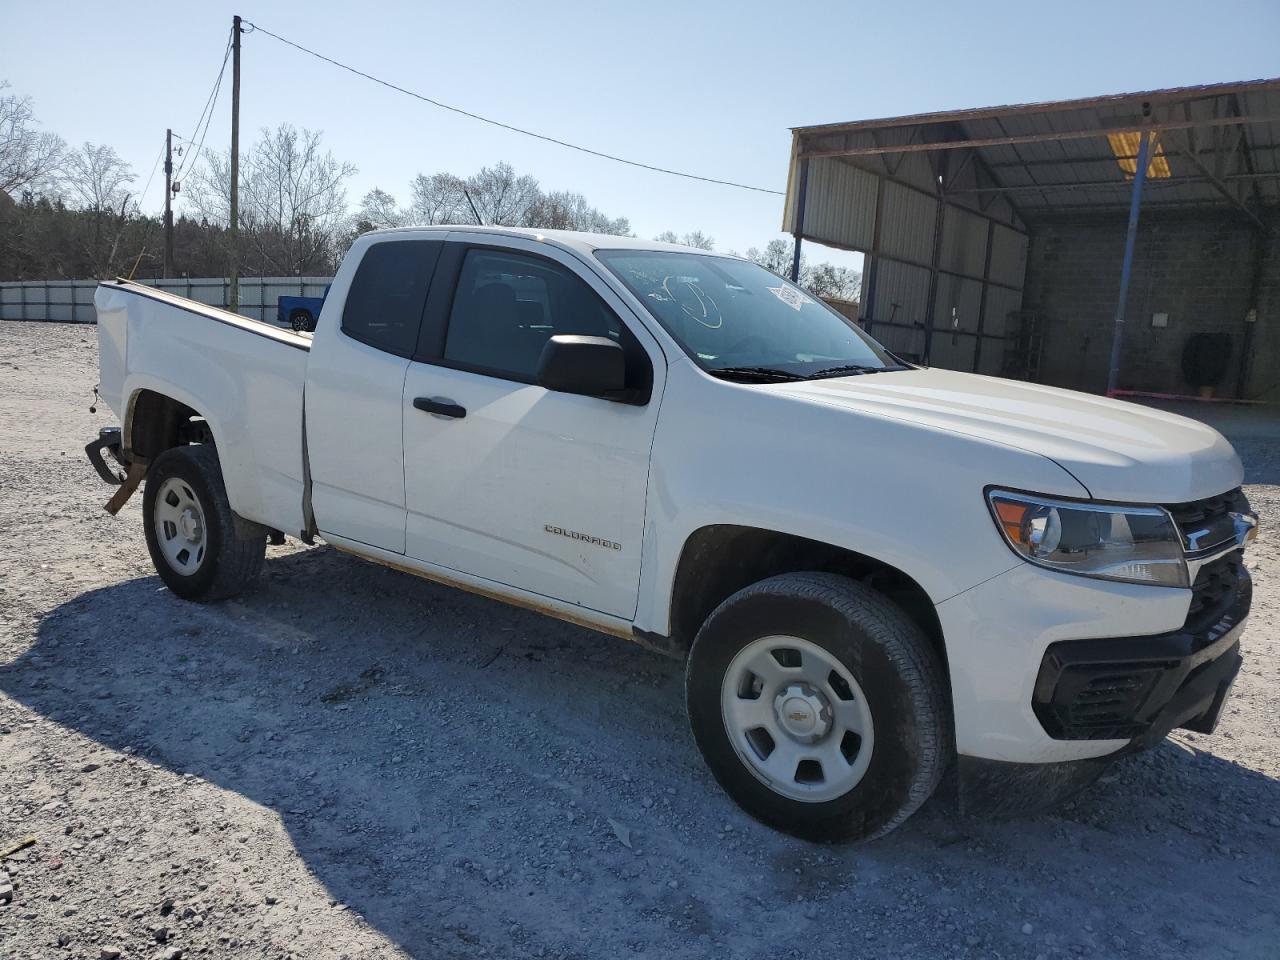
(1140, 688)
(1125, 692)
(1022, 646)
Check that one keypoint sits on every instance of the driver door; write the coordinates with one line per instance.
(504, 479)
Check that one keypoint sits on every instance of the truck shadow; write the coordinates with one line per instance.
(448, 768)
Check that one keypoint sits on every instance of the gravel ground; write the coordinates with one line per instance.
(350, 762)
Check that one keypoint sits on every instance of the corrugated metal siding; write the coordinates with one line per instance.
(908, 227)
(952, 353)
(841, 204)
(956, 311)
(964, 242)
(1008, 256)
(1000, 303)
(908, 288)
(962, 296)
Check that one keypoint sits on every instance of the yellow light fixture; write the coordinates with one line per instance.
(1125, 146)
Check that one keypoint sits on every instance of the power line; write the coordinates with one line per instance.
(206, 115)
(507, 126)
(154, 167)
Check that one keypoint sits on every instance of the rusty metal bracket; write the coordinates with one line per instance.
(131, 481)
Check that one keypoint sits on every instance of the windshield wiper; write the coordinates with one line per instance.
(851, 369)
(771, 374)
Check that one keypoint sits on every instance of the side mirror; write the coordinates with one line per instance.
(591, 366)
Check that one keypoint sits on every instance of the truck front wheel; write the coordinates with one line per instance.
(191, 531)
(819, 706)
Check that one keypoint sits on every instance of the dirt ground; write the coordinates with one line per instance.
(350, 762)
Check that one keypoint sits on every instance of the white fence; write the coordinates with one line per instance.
(71, 301)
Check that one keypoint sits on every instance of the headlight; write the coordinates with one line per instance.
(1133, 544)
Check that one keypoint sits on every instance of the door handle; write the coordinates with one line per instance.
(440, 406)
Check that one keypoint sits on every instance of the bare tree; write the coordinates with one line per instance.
(501, 197)
(695, 239)
(823, 280)
(439, 199)
(379, 210)
(293, 201)
(29, 159)
(776, 256)
(504, 198)
(834, 283)
(564, 210)
(94, 177)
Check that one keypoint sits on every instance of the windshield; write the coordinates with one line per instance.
(736, 318)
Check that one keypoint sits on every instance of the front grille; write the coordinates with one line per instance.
(1215, 588)
(1207, 524)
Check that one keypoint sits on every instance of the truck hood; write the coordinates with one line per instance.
(1117, 450)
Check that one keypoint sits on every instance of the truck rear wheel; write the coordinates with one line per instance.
(190, 528)
(302, 321)
(819, 706)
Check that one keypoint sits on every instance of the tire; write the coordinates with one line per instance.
(195, 515)
(885, 682)
(301, 321)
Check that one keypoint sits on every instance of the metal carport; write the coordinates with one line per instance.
(947, 206)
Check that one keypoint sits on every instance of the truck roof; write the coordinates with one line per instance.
(575, 239)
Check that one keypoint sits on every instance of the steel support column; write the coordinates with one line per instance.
(982, 299)
(1126, 267)
(871, 263)
(797, 229)
(1260, 241)
(935, 261)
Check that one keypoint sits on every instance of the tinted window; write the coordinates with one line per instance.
(384, 304)
(508, 305)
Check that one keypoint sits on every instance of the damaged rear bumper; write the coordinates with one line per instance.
(107, 444)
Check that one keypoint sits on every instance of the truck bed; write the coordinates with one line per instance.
(244, 376)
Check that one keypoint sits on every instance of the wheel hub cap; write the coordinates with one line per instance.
(803, 712)
(797, 718)
(178, 520)
(189, 525)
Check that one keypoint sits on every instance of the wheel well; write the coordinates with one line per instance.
(719, 560)
(158, 422)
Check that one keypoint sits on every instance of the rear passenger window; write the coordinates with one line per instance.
(507, 306)
(384, 304)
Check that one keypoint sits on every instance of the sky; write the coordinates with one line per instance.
(710, 88)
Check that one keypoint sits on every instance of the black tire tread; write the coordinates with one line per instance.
(239, 561)
(906, 646)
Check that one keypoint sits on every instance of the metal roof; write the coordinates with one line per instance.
(1216, 145)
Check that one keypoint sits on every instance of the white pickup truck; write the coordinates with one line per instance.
(871, 570)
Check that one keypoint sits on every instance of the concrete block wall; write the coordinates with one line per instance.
(1194, 266)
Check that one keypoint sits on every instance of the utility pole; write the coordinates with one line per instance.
(234, 293)
(168, 203)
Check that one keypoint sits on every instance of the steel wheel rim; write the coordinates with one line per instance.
(797, 718)
(180, 528)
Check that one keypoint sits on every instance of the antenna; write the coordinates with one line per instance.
(474, 212)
